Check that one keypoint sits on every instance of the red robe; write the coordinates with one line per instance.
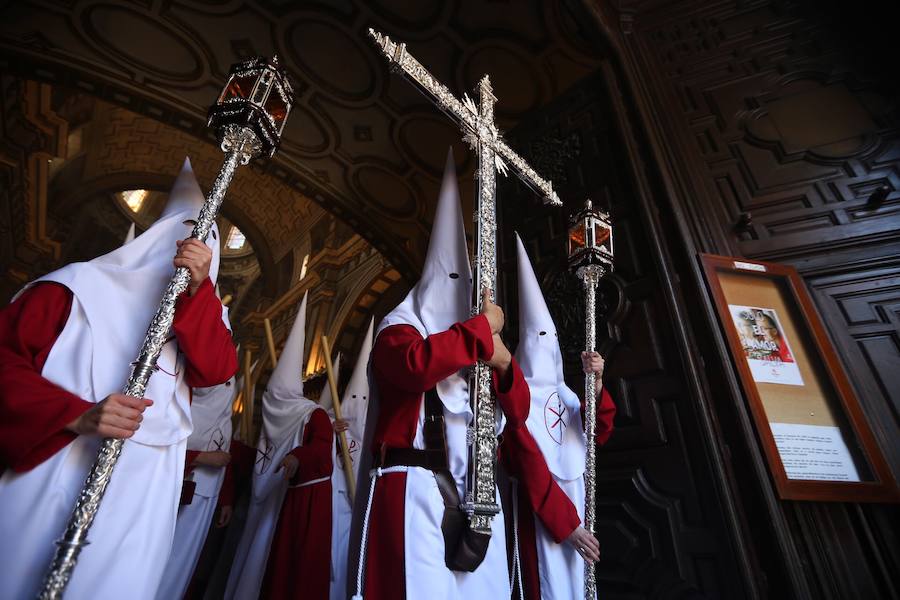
(405, 366)
(237, 474)
(34, 412)
(299, 565)
(539, 494)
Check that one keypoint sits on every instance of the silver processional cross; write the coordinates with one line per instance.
(479, 130)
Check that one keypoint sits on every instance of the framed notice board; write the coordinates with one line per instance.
(815, 436)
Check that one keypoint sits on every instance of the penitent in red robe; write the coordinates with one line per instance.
(405, 366)
(299, 565)
(539, 494)
(34, 412)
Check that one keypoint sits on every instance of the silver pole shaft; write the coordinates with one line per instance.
(481, 479)
(241, 145)
(590, 276)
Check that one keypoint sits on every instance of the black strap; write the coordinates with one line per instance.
(410, 457)
(433, 429)
(436, 440)
(434, 456)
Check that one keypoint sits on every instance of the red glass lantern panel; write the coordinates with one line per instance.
(276, 108)
(239, 88)
(577, 235)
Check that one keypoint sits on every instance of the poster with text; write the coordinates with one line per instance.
(765, 345)
(814, 452)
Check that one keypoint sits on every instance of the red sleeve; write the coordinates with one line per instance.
(522, 456)
(226, 492)
(33, 411)
(315, 453)
(203, 338)
(416, 365)
(513, 395)
(606, 412)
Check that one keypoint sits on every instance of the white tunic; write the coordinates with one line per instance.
(194, 519)
(341, 515)
(560, 567)
(427, 575)
(554, 421)
(556, 427)
(132, 532)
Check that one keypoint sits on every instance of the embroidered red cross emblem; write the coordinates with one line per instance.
(554, 418)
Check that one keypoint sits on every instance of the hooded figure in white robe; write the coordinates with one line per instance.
(554, 421)
(114, 298)
(285, 413)
(441, 298)
(211, 415)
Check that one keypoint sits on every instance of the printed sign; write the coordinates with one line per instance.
(814, 452)
(765, 345)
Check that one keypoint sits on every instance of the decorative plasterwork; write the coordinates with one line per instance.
(360, 143)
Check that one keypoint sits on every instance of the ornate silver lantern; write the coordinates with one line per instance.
(590, 258)
(257, 96)
(249, 117)
(591, 240)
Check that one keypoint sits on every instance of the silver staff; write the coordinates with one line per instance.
(477, 124)
(249, 118)
(590, 257)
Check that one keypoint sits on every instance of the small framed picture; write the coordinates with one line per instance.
(810, 425)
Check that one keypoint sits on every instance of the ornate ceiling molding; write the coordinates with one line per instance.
(363, 145)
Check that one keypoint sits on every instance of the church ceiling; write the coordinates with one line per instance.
(361, 144)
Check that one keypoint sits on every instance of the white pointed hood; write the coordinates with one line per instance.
(119, 293)
(443, 295)
(185, 195)
(284, 405)
(355, 401)
(325, 400)
(555, 416)
(285, 411)
(129, 237)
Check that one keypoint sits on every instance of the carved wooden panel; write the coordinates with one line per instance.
(867, 303)
(661, 533)
(780, 124)
(790, 130)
